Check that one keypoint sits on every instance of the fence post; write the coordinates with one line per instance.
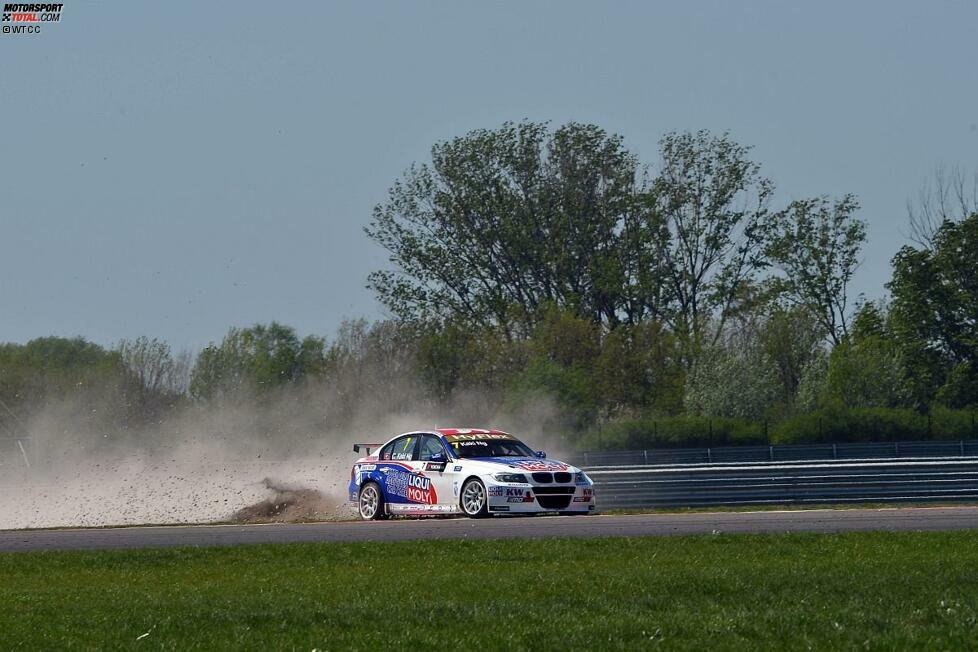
(835, 452)
(770, 450)
(709, 455)
(646, 451)
(896, 449)
(585, 458)
(20, 445)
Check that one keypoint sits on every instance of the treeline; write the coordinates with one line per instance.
(548, 272)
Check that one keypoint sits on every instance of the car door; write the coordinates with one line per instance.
(396, 468)
(438, 468)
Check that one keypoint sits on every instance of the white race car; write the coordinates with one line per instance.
(464, 470)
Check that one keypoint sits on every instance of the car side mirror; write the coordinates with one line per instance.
(541, 454)
(439, 457)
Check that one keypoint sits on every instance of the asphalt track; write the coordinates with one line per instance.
(827, 520)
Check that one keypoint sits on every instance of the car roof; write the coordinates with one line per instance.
(468, 431)
(447, 432)
(451, 431)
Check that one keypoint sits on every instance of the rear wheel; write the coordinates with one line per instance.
(371, 503)
(473, 500)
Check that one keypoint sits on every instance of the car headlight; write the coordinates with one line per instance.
(581, 478)
(510, 477)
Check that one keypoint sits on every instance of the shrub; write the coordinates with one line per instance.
(673, 432)
(873, 424)
(830, 425)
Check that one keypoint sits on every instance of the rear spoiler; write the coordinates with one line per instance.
(366, 447)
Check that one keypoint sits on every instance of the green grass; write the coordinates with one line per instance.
(881, 590)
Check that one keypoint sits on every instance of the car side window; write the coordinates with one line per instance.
(385, 452)
(404, 448)
(430, 445)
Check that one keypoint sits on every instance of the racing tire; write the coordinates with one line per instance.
(474, 500)
(370, 504)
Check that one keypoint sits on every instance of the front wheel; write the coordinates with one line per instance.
(371, 503)
(473, 500)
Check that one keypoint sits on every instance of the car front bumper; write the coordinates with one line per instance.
(507, 498)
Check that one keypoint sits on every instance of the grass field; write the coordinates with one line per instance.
(881, 590)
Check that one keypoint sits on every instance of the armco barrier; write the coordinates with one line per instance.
(908, 472)
(780, 453)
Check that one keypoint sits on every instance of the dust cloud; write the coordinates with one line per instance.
(246, 460)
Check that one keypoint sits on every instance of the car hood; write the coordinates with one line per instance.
(519, 464)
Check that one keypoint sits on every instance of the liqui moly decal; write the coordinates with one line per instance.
(419, 490)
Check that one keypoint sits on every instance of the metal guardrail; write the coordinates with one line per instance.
(825, 482)
(780, 453)
(910, 472)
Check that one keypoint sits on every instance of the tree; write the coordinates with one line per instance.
(154, 375)
(77, 377)
(562, 352)
(150, 363)
(816, 244)
(640, 369)
(570, 388)
(254, 359)
(935, 315)
(951, 197)
(504, 221)
(371, 367)
(713, 201)
(811, 385)
(866, 368)
(53, 368)
(732, 379)
(792, 340)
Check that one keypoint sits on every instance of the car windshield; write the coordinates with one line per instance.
(491, 448)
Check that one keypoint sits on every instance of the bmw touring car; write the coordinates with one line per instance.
(466, 471)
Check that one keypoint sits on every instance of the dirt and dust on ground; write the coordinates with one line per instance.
(241, 464)
(288, 504)
(136, 491)
(201, 466)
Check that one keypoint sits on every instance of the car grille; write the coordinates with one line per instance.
(562, 476)
(553, 491)
(554, 502)
(543, 477)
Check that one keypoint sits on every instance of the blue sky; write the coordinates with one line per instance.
(173, 169)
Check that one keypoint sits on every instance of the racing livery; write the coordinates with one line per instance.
(466, 471)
